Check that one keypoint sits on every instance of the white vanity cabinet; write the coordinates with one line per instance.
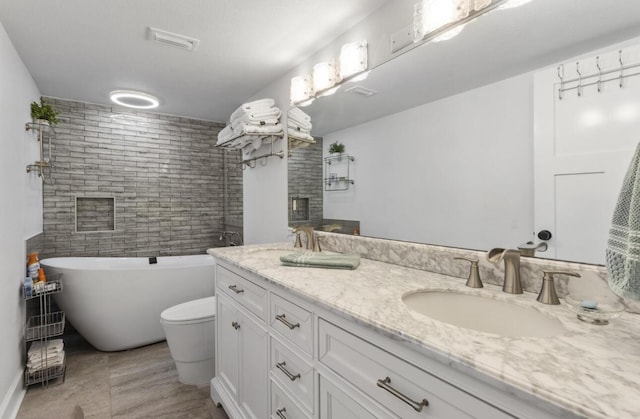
(282, 356)
(242, 382)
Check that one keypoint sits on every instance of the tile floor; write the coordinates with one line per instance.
(138, 383)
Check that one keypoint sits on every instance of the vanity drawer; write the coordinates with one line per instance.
(251, 296)
(282, 407)
(293, 373)
(293, 322)
(397, 385)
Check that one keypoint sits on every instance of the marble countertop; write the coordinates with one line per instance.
(590, 370)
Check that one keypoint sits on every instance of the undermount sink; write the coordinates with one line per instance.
(483, 314)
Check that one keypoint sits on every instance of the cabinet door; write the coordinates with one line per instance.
(336, 404)
(254, 368)
(227, 346)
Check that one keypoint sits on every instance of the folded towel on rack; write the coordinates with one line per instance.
(247, 121)
(321, 260)
(299, 134)
(257, 114)
(293, 125)
(57, 361)
(51, 345)
(255, 106)
(298, 115)
(225, 135)
(305, 125)
(262, 129)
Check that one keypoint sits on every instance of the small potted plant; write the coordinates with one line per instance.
(336, 148)
(43, 113)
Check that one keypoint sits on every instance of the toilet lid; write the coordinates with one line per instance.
(191, 310)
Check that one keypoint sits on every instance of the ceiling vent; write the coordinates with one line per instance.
(173, 39)
(360, 90)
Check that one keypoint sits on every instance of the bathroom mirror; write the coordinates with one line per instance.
(445, 80)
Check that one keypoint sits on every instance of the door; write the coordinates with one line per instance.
(254, 368)
(227, 346)
(582, 147)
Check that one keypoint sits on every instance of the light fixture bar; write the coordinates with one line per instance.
(473, 14)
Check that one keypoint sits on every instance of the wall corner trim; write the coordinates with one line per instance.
(13, 398)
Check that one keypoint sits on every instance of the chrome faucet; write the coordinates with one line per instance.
(512, 283)
(313, 242)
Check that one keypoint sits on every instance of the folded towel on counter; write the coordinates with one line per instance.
(298, 115)
(321, 260)
(299, 134)
(623, 247)
(225, 135)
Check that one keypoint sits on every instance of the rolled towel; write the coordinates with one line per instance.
(320, 260)
(299, 124)
(298, 114)
(225, 135)
(298, 134)
(262, 129)
(260, 104)
(298, 127)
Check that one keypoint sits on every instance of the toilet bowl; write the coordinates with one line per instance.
(190, 331)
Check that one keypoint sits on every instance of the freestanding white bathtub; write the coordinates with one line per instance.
(115, 303)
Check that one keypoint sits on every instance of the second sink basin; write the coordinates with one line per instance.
(483, 314)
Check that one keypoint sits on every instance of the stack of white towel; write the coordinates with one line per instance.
(299, 124)
(44, 356)
(252, 120)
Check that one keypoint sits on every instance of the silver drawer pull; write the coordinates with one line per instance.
(281, 367)
(280, 413)
(235, 289)
(235, 325)
(283, 319)
(417, 406)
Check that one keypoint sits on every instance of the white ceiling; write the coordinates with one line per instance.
(83, 49)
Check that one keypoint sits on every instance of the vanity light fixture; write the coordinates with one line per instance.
(353, 61)
(439, 20)
(325, 78)
(133, 99)
(301, 90)
(350, 66)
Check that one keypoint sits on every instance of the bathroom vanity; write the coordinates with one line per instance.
(317, 343)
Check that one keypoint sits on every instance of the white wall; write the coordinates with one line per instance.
(265, 187)
(455, 172)
(20, 215)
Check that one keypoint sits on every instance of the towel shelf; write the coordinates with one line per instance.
(240, 141)
(43, 326)
(337, 172)
(45, 132)
(297, 142)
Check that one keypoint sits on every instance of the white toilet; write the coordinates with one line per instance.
(190, 331)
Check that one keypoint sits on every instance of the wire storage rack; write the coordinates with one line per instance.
(46, 359)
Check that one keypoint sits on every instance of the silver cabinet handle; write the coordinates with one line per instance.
(417, 406)
(283, 319)
(280, 413)
(235, 325)
(235, 289)
(281, 367)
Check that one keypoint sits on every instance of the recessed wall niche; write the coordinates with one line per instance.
(95, 214)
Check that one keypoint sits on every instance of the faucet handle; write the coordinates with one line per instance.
(547, 293)
(474, 280)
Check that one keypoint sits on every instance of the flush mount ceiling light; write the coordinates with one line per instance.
(133, 99)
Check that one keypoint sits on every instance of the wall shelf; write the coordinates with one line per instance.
(44, 132)
(337, 174)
